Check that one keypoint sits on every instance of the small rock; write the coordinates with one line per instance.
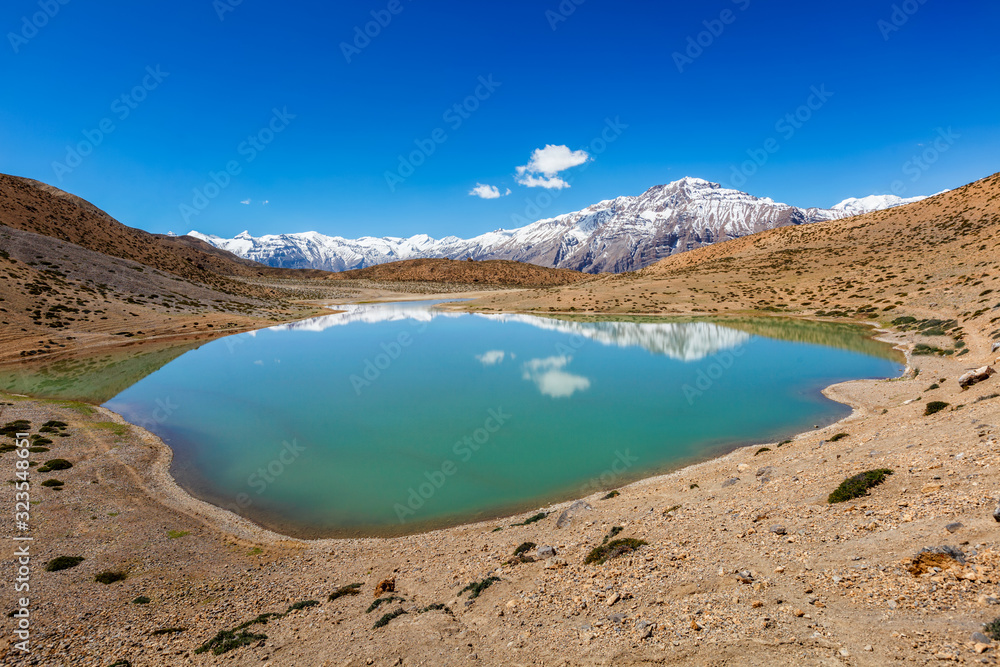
(730, 481)
(555, 564)
(981, 648)
(980, 638)
(613, 599)
(799, 613)
(695, 626)
(778, 529)
(546, 551)
(745, 576)
(975, 376)
(869, 648)
(953, 527)
(996, 514)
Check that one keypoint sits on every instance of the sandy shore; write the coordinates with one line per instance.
(827, 584)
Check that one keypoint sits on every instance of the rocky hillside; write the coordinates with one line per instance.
(490, 272)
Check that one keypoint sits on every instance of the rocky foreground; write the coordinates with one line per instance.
(745, 561)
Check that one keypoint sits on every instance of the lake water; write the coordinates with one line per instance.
(394, 418)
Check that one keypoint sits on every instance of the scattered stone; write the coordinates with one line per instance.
(980, 638)
(730, 481)
(799, 613)
(555, 564)
(943, 557)
(996, 514)
(572, 512)
(695, 625)
(953, 527)
(615, 597)
(546, 551)
(745, 576)
(778, 529)
(975, 376)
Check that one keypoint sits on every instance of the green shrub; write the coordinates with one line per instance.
(380, 601)
(301, 605)
(382, 622)
(167, 631)
(935, 407)
(611, 533)
(227, 640)
(839, 436)
(611, 494)
(142, 599)
(524, 548)
(349, 589)
(858, 485)
(613, 549)
(176, 534)
(58, 464)
(52, 482)
(762, 450)
(63, 563)
(992, 629)
(477, 587)
(433, 607)
(109, 577)
(531, 519)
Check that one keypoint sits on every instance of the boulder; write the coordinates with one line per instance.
(974, 376)
(571, 512)
(546, 551)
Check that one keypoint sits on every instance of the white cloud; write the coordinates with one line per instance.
(545, 164)
(245, 202)
(265, 202)
(491, 358)
(488, 191)
(550, 378)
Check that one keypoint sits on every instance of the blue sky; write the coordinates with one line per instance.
(328, 123)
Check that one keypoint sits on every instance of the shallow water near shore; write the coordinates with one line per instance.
(396, 418)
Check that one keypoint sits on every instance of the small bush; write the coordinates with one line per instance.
(301, 605)
(176, 534)
(611, 533)
(167, 631)
(858, 485)
(52, 482)
(992, 629)
(262, 619)
(613, 549)
(694, 486)
(227, 640)
(349, 589)
(433, 607)
(762, 450)
(477, 587)
(142, 599)
(380, 601)
(58, 464)
(63, 563)
(384, 621)
(109, 577)
(612, 494)
(531, 519)
(839, 436)
(524, 548)
(933, 386)
(935, 407)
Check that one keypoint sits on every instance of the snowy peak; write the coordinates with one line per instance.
(615, 235)
(871, 203)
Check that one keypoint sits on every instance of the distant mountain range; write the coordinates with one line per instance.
(615, 235)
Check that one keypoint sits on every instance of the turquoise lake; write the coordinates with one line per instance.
(396, 418)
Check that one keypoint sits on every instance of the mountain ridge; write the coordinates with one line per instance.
(625, 233)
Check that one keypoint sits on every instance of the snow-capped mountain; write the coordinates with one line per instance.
(871, 203)
(622, 234)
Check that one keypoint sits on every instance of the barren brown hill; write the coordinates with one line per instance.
(33, 206)
(491, 272)
(939, 255)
